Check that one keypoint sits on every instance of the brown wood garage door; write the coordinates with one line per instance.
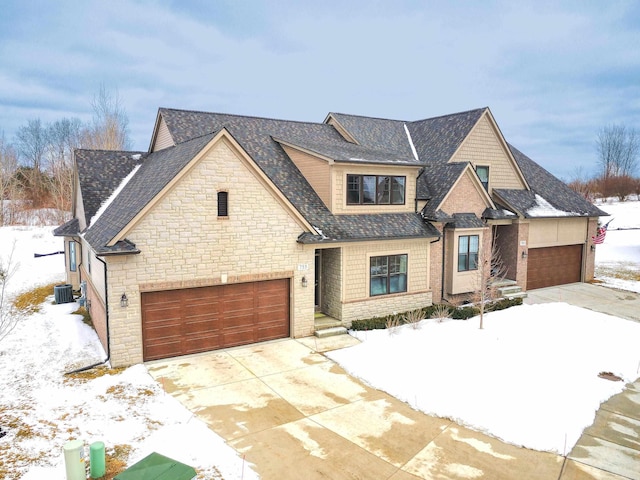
(192, 320)
(551, 266)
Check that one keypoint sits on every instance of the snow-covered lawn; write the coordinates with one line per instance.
(41, 408)
(618, 258)
(530, 377)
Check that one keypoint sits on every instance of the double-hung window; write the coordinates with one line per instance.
(375, 190)
(388, 274)
(468, 252)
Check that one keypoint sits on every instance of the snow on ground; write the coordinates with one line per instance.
(618, 258)
(530, 377)
(41, 408)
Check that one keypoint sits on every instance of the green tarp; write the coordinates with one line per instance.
(157, 467)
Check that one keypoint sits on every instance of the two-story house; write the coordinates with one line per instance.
(232, 229)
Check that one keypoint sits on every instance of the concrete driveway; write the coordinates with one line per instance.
(612, 443)
(619, 303)
(295, 414)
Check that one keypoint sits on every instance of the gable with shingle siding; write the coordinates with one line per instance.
(484, 147)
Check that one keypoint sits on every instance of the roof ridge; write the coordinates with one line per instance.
(449, 114)
(254, 117)
(104, 150)
(369, 117)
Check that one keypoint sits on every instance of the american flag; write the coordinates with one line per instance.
(601, 233)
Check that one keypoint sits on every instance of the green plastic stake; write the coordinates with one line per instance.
(96, 460)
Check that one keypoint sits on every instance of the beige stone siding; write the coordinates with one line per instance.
(183, 243)
(163, 137)
(483, 147)
(315, 170)
(356, 302)
(331, 282)
(339, 174)
(464, 197)
(554, 232)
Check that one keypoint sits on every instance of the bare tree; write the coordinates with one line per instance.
(491, 270)
(32, 145)
(64, 136)
(109, 129)
(8, 166)
(8, 315)
(617, 147)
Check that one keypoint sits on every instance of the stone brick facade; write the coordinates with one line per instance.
(184, 244)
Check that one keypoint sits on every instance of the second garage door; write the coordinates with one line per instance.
(192, 320)
(551, 266)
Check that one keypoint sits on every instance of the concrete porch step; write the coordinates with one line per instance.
(511, 291)
(330, 332)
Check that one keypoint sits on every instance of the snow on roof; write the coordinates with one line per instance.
(545, 209)
(413, 148)
(115, 193)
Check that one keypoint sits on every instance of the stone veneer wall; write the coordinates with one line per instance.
(184, 244)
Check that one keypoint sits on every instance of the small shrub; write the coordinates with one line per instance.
(413, 318)
(464, 313)
(441, 312)
(504, 303)
(392, 323)
(376, 323)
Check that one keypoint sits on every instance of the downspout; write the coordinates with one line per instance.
(431, 243)
(106, 308)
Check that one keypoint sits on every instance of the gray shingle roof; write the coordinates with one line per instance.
(437, 139)
(343, 151)
(378, 133)
(379, 141)
(100, 172)
(68, 229)
(543, 183)
(466, 220)
(436, 180)
(155, 172)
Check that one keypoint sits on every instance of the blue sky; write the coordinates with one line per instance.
(553, 73)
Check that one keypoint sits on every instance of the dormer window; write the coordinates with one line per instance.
(483, 174)
(375, 190)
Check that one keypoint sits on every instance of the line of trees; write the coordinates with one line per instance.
(617, 150)
(36, 168)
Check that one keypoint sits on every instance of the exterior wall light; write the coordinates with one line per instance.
(304, 281)
(524, 254)
(124, 301)
(593, 248)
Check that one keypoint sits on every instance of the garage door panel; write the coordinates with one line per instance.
(179, 322)
(201, 343)
(551, 266)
